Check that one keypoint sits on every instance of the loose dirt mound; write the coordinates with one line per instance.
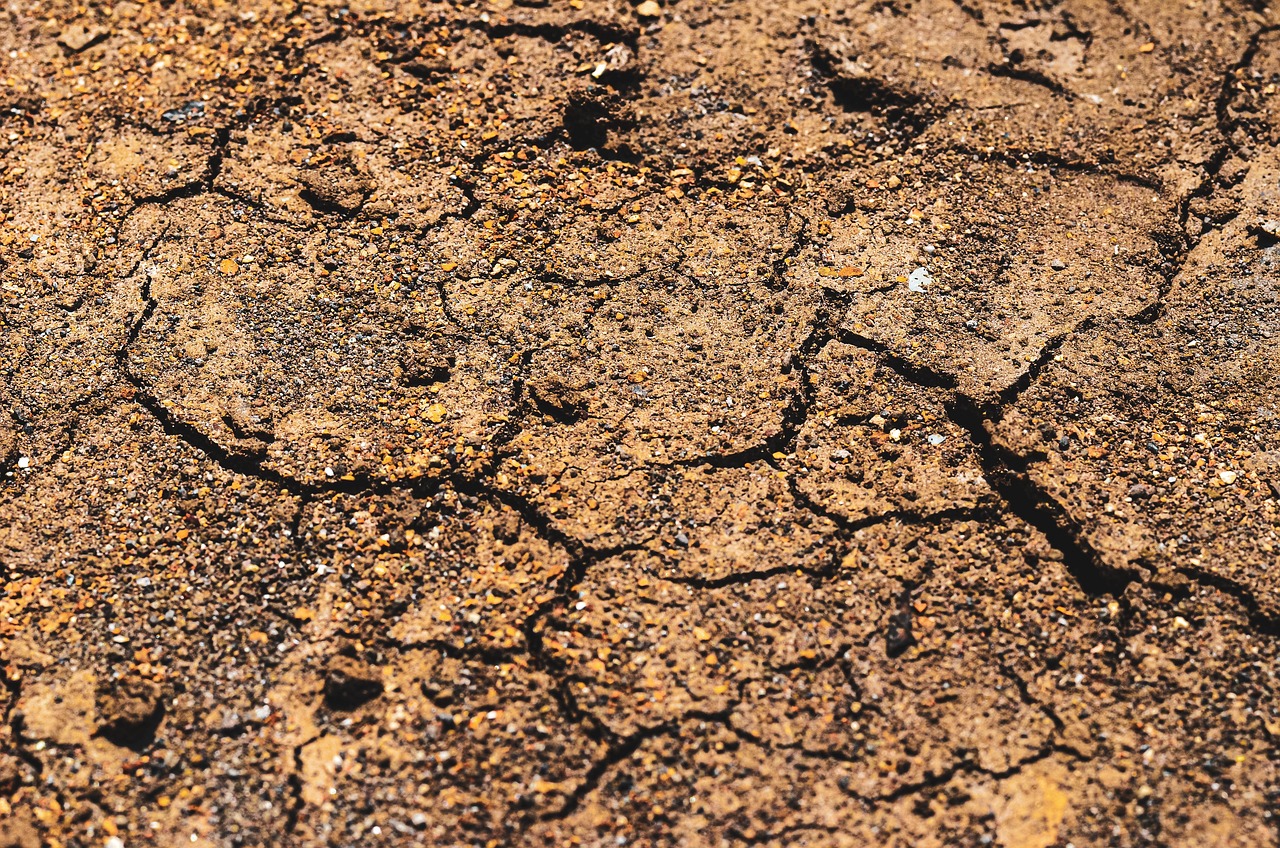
(576, 423)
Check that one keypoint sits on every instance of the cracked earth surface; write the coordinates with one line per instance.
(584, 423)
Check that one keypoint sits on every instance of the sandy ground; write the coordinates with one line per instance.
(685, 424)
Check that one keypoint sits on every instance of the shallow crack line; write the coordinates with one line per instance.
(906, 111)
(780, 266)
(149, 303)
(914, 372)
(1222, 104)
(1018, 158)
(567, 703)
(9, 460)
(296, 802)
(488, 654)
(194, 188)
(1226, 125)
(1032, 77)
(1177, 254)
(790, 830)
(1169, 271)
(202, 185)
(299, 514)
(541, 524)
(603, 32)
(1263, 621)
(740, 578)
(249, 466)
(562, 687)
(1047, 353)
(237, 463)
(941, 518)
(948, 515)
(1024, 694)
(793, 417)
(268, 214)
(962, 765)
(582, 558)
(628, 745)
(575, 572)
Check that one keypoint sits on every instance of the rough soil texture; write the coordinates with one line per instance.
(682, 424)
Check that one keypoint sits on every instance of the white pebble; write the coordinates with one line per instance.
(918, 279)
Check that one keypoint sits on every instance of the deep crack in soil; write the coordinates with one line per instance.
(600, 423)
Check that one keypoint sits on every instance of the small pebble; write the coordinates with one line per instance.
(918, 279)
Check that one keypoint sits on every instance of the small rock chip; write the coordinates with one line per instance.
(335, 190)
(77, 37)
(244, 423)
(564, 402)
(1140, 491)
(348, 683)
(1058, 265)
(506, 528)
(897, 635)
(648, 9)
(228, 267)
(130, 709)
(435, 413)
(422, 366)
(441, 696)
(918, 279)
(187, 111)
(428, 69)
(1167, 580)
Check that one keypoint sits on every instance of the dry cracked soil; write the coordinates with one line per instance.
(582, 423)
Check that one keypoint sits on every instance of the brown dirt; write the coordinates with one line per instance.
(574, 423)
